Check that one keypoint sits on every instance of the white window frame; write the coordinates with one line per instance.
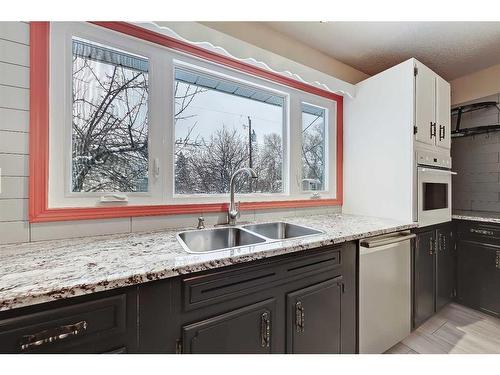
(162, 62)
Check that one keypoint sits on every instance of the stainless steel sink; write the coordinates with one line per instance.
(281, 230)
(208, 240)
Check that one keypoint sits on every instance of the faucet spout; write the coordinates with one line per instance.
(233, 212)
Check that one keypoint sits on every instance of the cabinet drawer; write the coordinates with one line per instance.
(209, 289)
(479, 231)
(73, 328)
(222, 285)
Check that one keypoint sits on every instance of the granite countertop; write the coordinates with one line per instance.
(488, 217)
(38, 272)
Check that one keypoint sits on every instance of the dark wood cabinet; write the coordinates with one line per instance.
(314, 318)
(100, 323)
(253, 307)
(424, 282)
(245, 330)
(445, 266)
(434, 265)
(478, 282)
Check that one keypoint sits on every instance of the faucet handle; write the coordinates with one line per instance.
(201, 223)
(238, 208)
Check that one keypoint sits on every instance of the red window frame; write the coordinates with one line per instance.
(39, 132)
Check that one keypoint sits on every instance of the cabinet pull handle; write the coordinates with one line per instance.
(442, 242)
(299, 317)
(441, 132)
(433, 130)
(482, 231)
(53, 335)
(431, 246)
(265, 330)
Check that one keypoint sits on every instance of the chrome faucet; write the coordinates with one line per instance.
(233, 212)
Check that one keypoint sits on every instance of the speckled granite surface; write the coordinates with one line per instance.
(46, 271)
(488, 217)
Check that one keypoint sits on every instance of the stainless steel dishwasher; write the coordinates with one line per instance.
(384, 291)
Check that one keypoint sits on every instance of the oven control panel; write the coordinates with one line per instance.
(433, 160)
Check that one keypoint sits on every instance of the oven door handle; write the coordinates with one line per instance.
(437, 170)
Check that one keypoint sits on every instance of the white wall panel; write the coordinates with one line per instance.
(14, 142)
(15, 53)
(14, 97)
(14, 75)
(13, 210)
(15, 31)
(14, 232)
(13, 187)
(14, 165)
(14, 120)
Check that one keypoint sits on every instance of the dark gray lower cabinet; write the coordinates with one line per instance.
(478, 283)
(101, 323)
(434, 266)
(446, 257)
(424, 282)
(295, 303)
(314, 318)
(245, 330)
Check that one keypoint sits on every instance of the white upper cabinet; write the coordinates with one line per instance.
(443, 115)
(425, 100)
(432, 109)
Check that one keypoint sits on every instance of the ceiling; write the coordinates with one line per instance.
(451, 49)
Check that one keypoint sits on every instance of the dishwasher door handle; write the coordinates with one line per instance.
(387, 241)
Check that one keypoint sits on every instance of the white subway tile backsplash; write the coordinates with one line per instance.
(14, 142)
(152, 223)
(13, 210)
(14, 53)
(14, 165)
(80, 228)
(14, 232)
(14, 120)
(14, 97)
(485, 206)
(13, 187)
(318, 210)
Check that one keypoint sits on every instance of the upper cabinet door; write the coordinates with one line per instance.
(425, 111)
(443, 116)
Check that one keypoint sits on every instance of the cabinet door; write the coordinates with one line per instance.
(478, 283)
(445, 267)
(425, 115)
(443, 115)
(247, 330)
(424, 281)
(313, 318)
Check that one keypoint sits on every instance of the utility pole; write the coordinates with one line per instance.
(250, 161)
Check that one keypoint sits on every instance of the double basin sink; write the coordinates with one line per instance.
(217, 239)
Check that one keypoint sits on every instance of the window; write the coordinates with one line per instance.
(313, 147)
(110, 119)
(150, 127)
(221, 126)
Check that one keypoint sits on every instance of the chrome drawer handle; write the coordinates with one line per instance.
(53, 335)
(265, 330)
(482, 231)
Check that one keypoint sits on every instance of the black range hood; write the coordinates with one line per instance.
(459, 111)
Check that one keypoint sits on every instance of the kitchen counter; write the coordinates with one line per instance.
(38, 272)
(488, 217)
